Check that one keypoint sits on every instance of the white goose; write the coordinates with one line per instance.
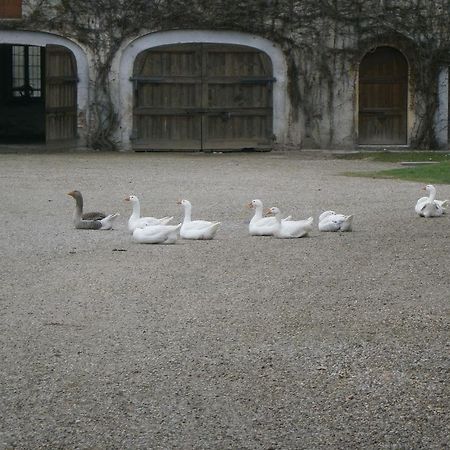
(91, 220)
(136, 221)
(429, 206)
(290, 228)
(156, 234)
(196, 229)
(331, 221)
(259, 225)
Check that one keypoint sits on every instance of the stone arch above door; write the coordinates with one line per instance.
(123, 71)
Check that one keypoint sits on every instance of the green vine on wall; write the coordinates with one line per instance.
(319, 37)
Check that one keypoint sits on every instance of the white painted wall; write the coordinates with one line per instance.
(441, 117)
(122, 71)
(42, 39)
(286, 132)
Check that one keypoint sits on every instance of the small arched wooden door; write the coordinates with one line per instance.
(61, 94)
(383, 98)
(202, 97)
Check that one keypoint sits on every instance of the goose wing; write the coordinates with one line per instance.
(93, 215)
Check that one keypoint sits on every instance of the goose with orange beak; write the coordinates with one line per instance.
(260, 225)
(429, 206)
(195, 229)
(288, 229)
(136, 221)
(91, 220)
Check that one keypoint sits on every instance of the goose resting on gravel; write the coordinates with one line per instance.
(91, 220)
(259, 225)
(331, 221)
(287, 229)
(196, 229)
(136, 221)
(428, 206)
(156, 234)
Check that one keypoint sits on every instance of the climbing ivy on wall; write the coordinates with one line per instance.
(319, 37)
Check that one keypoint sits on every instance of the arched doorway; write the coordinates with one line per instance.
(383, 97)
(202, 96)
(38, 93)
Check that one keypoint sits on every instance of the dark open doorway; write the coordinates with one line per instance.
(22, 94)
(38, 94)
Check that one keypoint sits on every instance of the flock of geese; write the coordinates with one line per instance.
(151, 230)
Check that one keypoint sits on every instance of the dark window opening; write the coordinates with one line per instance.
(26, 74)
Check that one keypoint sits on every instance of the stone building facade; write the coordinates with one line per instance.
(209, 75)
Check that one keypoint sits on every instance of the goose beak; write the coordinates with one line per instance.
(267, 212)
(178, 202)
(127, 199)
(71, 193)
(249, 205)
(424, 188)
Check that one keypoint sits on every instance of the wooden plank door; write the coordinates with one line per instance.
(60, 94)
(167, 99)
(383, 88)
(202, 97)
(237, 98)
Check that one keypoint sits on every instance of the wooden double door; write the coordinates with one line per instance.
(202, 97)
(383, 97)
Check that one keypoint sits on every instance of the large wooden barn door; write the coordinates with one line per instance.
(237, 98)
(202, 97)
(167, 98)
(60, 94)
(383, 94)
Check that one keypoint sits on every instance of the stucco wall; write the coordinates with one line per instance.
(314, 51)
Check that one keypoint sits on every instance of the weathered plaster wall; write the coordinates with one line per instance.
(441, 119)
(320, 43)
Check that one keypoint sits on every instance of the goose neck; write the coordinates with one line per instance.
(432, 194)
(187, 213)
(258, 212)
(136, 209)
(78, 209)
(79, 202)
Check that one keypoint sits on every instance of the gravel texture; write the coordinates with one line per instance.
(337, 340)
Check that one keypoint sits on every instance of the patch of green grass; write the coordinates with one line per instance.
(397, 156)
(429, 174)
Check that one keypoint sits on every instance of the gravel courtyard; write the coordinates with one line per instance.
(337, 340)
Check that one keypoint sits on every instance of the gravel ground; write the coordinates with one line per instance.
(337, 340)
